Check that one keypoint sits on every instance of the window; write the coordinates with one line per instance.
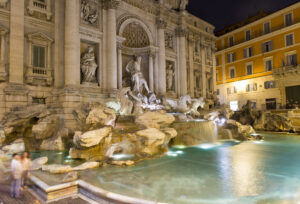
(267, 46)
(271, 103)
(289, 39)
(267, 28)
(248, 52)
(288, 19)
(36, 100)
(249, 69)
(248, 35)
(270, 84)
(291, 60)
(268, 65)
(231, 41)
(38, 56)
(231, 57)
(234, 105)
(251, 87)
(217, 61)
(232, 73)
(231, 90)
(218, 92)
(217, 75)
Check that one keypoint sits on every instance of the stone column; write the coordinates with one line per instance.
(204, 79)
(3, 73)
(111, 40)
(191, 63)
(120, 66)
(161, 26)
(72, 43)
(151, 71)
(181, 34)
(16, 42)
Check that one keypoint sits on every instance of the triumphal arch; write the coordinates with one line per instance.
(70, 52)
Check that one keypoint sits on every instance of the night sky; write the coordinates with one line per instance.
(227, 12)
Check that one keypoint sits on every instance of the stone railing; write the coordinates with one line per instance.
(286, 70)
(40, 7)
(39, 76)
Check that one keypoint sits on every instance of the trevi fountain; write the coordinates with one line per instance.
(123, 108)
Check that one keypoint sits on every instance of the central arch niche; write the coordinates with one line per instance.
(137, 42)
(136, 36)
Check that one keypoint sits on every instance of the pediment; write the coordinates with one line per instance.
(39, 36)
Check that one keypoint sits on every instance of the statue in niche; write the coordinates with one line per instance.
(137, 77)
(88, 66)
(88, 13)
(169, 41)
(170, 77)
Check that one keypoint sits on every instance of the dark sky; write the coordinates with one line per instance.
(226, 12)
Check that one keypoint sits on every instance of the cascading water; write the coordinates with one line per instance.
(195, 132)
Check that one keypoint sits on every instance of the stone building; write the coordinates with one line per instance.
(70, 52)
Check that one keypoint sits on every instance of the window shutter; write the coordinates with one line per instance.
(233, 57)
(245, 53)
(263, 47)
(271, 45)
(228, 58)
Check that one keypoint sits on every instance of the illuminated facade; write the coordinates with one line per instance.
(258, 61)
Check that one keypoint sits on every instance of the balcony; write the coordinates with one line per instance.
(39, 76)
(286, 70)
(43, 7)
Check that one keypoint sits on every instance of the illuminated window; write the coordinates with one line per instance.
(268, 65)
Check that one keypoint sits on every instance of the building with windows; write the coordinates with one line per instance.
(71, 52)
(258, 59)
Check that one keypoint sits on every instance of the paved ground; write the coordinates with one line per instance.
(27, 198)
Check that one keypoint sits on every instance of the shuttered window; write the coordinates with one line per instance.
(288, 19)
(248, 52)
(289, 39)
(267, 46)
(249, 69)
(267, 28)
(268, 65)
(248, 35)
(291, 60)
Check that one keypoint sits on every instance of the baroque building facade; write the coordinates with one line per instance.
(71, 52)
(257, 60)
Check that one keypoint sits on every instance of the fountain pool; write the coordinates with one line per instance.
(224, 172)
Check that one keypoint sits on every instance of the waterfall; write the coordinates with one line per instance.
(195, 132)
(229, 134)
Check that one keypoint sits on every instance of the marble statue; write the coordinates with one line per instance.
(137, 77)
(169, 41)
(88, 13)
(196, 103)
(170, 76)
(182, 105)
(88, 66)
(126, 103)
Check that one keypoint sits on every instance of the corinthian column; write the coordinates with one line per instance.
(72, 43)
(111, 42)
(181, 34)
(161, 26)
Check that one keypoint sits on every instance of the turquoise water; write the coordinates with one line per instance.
(228, 172)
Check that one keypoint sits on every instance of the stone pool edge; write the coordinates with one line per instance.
(48, 194)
